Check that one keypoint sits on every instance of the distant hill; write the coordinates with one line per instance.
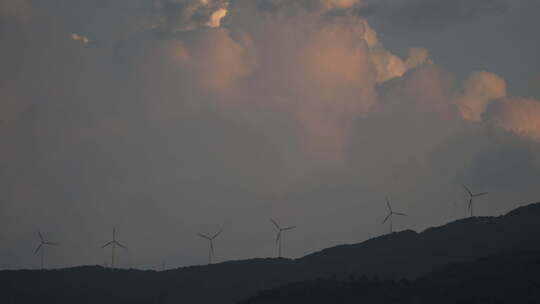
(399, 255)
(508, 278)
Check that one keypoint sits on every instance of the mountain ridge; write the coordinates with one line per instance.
(405, 254)
(502, 278)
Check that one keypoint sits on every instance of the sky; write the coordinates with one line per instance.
(168, 118)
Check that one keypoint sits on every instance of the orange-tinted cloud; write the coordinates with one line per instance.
(335, 84)
(340, 4)
(518, 115)
(323, 70)
(215, 59)
(183, 15)
(479, 89)
(389, 65)
(429, 87)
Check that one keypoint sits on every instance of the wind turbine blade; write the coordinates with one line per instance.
(37, 249)
(288, 228)
(204, 236)
(117, 243)
(217, 234)
(387, 217)
(402, 214)
(388, 205)
(212, 247)
(40, 236)
(50, 243)
(275, 224)
(107, 244)
(480, 194)
(114, 233)
(278, 236)
(468, 190)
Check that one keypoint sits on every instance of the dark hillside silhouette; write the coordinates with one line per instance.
(399, 255)
(409, 254)
(510, 278)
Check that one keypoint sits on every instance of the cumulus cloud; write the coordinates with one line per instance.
(333, 84)
(216, 59)
(186, 15)
(518, 115)
(480, 89)
(427, 88)
(215, 17)
(324, 69)
(389, 65)
(417, 57)
(208, 107)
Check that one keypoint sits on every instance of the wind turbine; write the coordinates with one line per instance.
(41, 247)
(113, 244)
(390, 215)
(278, 237)
(211, 240)
(471, 196)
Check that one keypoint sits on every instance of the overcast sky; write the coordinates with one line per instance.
(165, 118)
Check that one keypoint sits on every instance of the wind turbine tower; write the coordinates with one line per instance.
(391, 214)
(211, 240)
(471, 197)
(113, 245)
(41, 248)
(278, 237)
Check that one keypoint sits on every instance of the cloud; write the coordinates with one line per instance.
(427, 88)
(480, 89)
(340, 4)
(183, 113)
(186, 15)
(215, 59)
(215, 17)
(334, 83)
(430, 12)
(323, 69)
(390, 66)
(417, 57)
(81, 38)
(320, 6)
(518, 115)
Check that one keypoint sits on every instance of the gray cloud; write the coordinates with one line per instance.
(431, 12)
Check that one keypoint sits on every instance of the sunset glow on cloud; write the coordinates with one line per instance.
(520, 116)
